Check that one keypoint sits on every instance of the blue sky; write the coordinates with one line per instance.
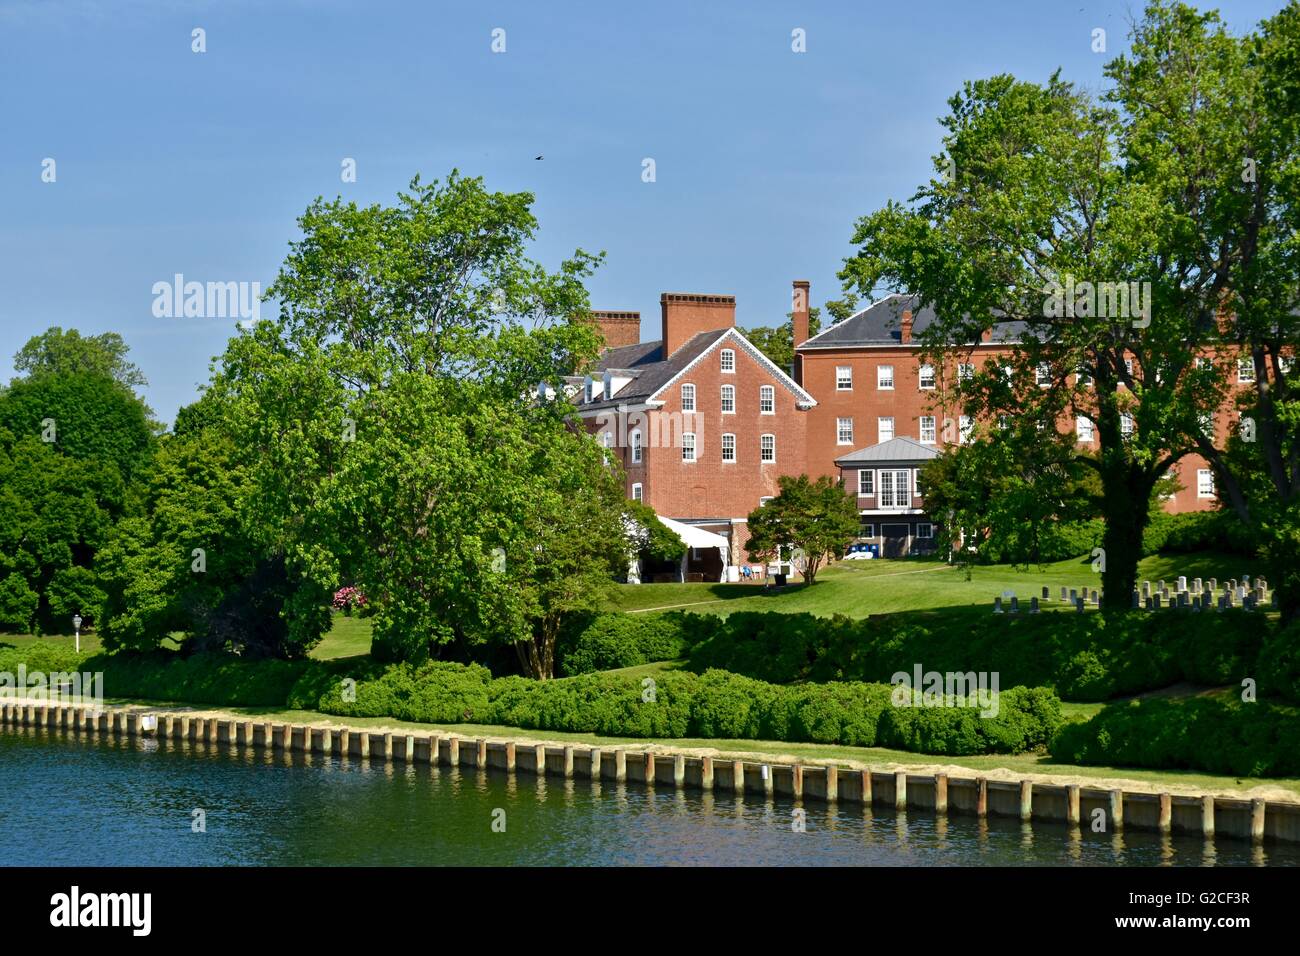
(172, 162)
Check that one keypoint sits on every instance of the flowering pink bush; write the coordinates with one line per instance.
(345, 599)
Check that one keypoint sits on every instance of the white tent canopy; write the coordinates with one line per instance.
(696, 537)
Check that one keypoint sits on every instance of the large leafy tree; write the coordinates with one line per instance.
(59, 352)
(387, 422)
(817, 518)
(1046, 197)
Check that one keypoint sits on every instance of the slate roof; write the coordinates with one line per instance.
(650, 371)
(878, 324)
(900, 449)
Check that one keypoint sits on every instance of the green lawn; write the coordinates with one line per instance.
(858, 589)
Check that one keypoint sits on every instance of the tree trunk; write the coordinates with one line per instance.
(1126, 510)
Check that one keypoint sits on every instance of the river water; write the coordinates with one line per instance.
(94, 801)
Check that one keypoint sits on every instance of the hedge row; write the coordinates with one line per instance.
(677, 704)
(1197, 733)
(713, 704)
(1088, 657)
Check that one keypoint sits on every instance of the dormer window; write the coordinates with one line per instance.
(728, 360)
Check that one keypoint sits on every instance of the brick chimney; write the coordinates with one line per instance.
(686, 314)
(799, 312)
(618, 328)
(905, 327)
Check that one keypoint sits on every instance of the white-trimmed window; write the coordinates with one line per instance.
(1043, 375)
(1245, 371)
(635, 441)
(728, 399)
(844, 378)
(1082, 378)
(924, 531)
(885, 376)
(728, 448)
(636, 491)
(767, 399)
(1245, 427)
(1286, 363)
(1126, 424)
(587, 391)
(762, 502)
(895, 489)
(607, 440)
(1204, 483)
(925, 377)
(868, 531)
(1004, 422)
(767, 449)
(688, 397)
(1203, 362)
(688, 446)
(965, 429)
(884, 429)
(965, 371)
(1083, 429)
(844, 431)
(929, 430)
(727, 361)
(866, 482)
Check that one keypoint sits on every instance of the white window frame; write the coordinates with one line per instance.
(727, 361)
(965, 429)
(885, 378)
(767, 399)
(727, 395)
(866, 483)
(638, 491)
(933, 429)
(1205, 483)
(725, 449)
(1043, 375)
(688, 397)
(965, 372)
(1245, 371)
(764, 447)
(880, 428)
(689, 451)
(926, 373)
(899, 495)
(924, 531)
(869, 530)
(1083, 429)
(634, 440)
(1126, 424)
(843, 428)
(844, 378)
(1082, 378)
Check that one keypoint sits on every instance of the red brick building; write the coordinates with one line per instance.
(873, 388)
(701, 421)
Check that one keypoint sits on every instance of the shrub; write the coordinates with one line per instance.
(18, 604)
(1198, 733)
(1279, 664)
(609, 641)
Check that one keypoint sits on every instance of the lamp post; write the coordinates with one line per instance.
(76, 629)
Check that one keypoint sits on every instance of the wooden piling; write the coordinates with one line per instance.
(940, 793)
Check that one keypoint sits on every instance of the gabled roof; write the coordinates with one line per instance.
(901, 449)
(879, 324)
(654, 373)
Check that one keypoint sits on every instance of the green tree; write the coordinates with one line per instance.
(56, 352)
(651, 538)
(816, 517)
(388, 424)
(1046, 206)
